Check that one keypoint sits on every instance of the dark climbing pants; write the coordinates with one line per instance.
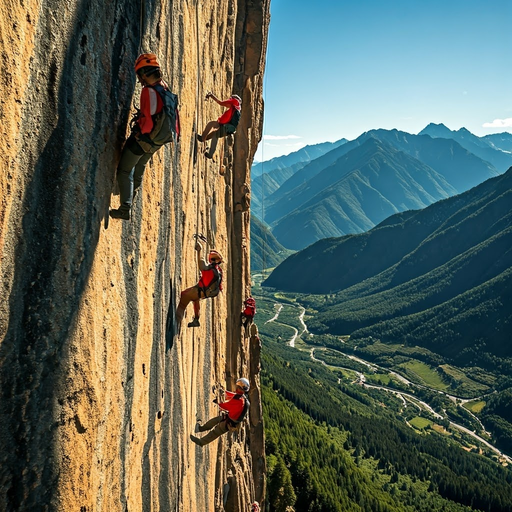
(130, 170)
(219, 424)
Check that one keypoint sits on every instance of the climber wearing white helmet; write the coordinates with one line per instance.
(234, 410)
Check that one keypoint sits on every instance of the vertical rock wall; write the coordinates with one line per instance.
(97, 397)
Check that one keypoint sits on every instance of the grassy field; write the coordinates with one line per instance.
(380, 379)
(420, 423)
(465, 385)
(425, 374)
(475, 406)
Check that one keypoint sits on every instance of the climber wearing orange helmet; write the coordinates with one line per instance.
(233, 412)
(152, 127)
(208, 286)
(225, 125)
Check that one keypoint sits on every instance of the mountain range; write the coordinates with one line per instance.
(357, 184)
(491, 148)
(267, 177)
(301, 156)
(440, 276)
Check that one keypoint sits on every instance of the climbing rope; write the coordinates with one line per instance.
(264, 237)
(141, 26)
(198, 170)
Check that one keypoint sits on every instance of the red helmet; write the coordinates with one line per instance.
(146, 59)
(214, 255)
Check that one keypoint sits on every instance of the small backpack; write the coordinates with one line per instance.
(167, 121)
(213, 288)
(233, 122)
(250, 308)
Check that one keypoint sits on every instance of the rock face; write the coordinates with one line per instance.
(98, 398)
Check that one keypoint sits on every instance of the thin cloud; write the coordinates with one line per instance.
(499, 123)
(294, 145)
(280, 137)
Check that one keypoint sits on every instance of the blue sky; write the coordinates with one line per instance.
(337, 68)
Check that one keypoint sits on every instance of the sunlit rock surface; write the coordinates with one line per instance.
(97, 397)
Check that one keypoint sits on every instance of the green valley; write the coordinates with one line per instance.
(373, 426)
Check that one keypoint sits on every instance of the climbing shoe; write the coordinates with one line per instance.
(121, 213)
(207, 155)
(199, 137)
(194, 323)
(196, 440)
(198, 427)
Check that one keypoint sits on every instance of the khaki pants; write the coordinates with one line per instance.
(219, 424)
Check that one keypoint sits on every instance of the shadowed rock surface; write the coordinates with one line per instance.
(98, 398)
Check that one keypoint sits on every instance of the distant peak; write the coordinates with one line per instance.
(435, 129)
(439, 126)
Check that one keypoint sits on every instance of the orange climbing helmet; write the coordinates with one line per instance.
(214, 255)
(146, 60)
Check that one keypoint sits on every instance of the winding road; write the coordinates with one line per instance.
(405, 397)
(414, 400)
(274, 318)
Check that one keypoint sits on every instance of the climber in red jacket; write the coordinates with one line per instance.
(208, 286)
(225, 125)
(234, 410)
(150, 131)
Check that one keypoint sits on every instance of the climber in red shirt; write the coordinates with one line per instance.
(225, 125)
(208, 286)
(234, 410)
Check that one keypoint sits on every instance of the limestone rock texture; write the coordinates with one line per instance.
(98, 397)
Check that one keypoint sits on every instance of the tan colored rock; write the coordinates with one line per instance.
(97, 398)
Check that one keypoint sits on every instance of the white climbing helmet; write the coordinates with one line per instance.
(243, 383)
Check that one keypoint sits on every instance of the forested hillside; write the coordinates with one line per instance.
(333, 446)
(266, 251)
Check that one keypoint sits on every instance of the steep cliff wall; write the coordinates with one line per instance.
(98, 398)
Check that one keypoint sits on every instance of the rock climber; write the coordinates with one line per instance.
(255, 507)
(225, 125)
(208, 286)
(234, 410)
(247, 315)
(152, 127)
